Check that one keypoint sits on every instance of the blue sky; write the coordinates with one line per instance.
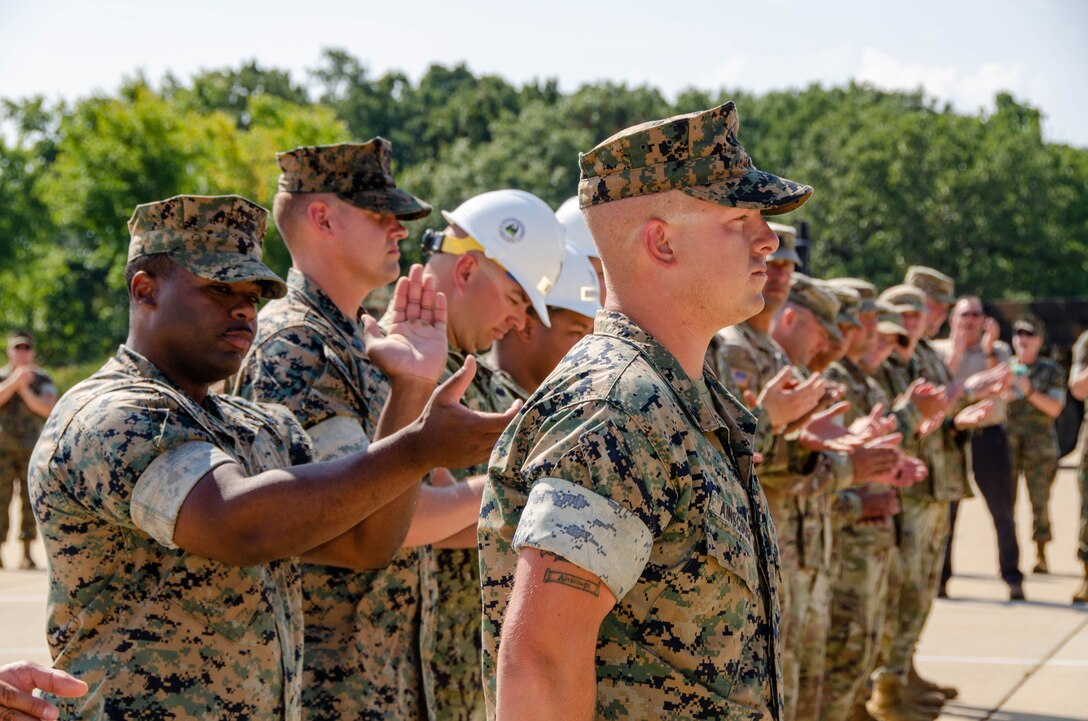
(960, 51)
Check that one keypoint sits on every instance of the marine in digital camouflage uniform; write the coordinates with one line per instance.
(175, 588)
(1078, 383)
(1033, 437)
(361, 655)
(155, 631)
(631, 483)
(20, 425)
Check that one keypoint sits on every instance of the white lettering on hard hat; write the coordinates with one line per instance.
(590, 294)
(544, 286)
(511, 230)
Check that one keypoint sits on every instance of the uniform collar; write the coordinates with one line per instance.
(316, 298)
(617, 325)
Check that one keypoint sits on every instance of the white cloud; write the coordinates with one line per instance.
(969, 90)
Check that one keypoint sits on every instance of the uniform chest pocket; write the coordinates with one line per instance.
(727, 544)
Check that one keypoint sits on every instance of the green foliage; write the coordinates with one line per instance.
(899, 179)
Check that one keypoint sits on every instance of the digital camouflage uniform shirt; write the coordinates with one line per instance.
(451, 587)
(622, 466)
(1033, 443)
(362, 627)
(157, 632)
(19, 429)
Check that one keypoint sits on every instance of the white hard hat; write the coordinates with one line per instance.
(518, 231)
(577, 288)
(575, 228)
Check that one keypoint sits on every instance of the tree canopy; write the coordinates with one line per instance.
(899, 178)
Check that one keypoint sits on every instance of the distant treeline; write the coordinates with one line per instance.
(899, 179)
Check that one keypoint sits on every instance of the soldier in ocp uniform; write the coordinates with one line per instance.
(27, 394)
(628, 558)
(1039, 390)
(174, 518)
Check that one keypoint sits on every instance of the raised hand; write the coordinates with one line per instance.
(972, 415)
(823, 433)
(415, 346)
(785, 400)
(990, 383)
(453, 435)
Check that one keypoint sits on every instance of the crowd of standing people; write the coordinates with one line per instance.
(621, 460)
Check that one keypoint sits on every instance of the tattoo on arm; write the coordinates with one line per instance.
(575, 582)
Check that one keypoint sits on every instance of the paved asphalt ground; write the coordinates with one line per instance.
(1023, 661)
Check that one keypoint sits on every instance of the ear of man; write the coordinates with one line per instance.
(656, 240)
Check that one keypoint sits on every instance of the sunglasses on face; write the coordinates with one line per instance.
(971, 314)
(1028, 333)
(22, 346)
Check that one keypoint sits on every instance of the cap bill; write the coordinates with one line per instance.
(391, 201)
(755, 189)
(233, 268)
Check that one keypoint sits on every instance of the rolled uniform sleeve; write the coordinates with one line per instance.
(589, 530)
(600, 503)
(162, 489)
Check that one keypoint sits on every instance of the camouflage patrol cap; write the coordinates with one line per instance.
(217, 237)
(934, 283)
(889, 319)
(697, 153)
(359, 173)
(816, 296)
(907, 298)
(864, 288)
(787, 243)
(849, 304)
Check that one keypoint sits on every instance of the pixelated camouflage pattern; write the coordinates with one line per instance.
(862, 557)
(450, 636)
(697, 153)
(933, 283)
(697, 637)
(217, 237)
(504, 379)
(1077, 364)
(359, 173)
(361, 658)
(157, 632)
(1033, 442)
